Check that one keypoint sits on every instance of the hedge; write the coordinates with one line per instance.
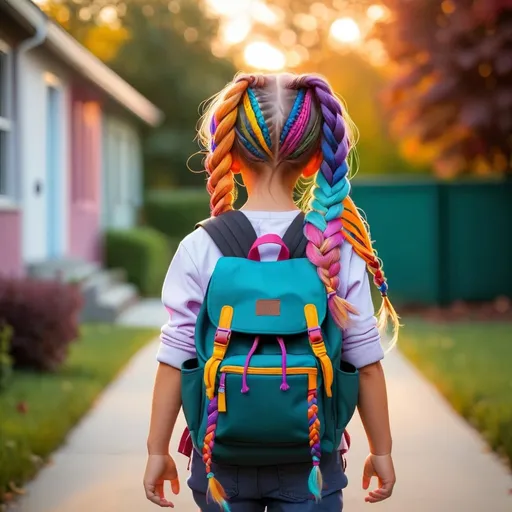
(144, 253)
(175, 212)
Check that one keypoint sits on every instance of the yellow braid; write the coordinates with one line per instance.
(249, 112)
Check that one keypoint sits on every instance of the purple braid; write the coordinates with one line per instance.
(331, 187)
(215, 489)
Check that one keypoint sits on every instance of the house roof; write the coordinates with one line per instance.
(85, 63)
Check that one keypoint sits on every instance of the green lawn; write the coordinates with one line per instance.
(471, 364)
(38, 410)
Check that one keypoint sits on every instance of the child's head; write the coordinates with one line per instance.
(285, 126)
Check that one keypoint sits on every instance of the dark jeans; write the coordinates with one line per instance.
(274, 488)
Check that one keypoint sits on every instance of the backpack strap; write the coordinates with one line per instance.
(294, 237)
(232, 233)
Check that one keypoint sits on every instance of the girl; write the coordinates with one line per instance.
(273, 130)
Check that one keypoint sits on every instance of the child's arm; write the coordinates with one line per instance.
(182, 296)
(362, 348)
(373, 408)
(165, 409)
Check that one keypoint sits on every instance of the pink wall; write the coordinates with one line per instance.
(85, 178)
(10, 243)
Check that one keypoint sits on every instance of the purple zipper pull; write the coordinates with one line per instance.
(284, 385)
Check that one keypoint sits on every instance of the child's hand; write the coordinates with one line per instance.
(380, 466)
(158, 469)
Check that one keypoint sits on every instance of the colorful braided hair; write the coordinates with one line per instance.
(291, 123)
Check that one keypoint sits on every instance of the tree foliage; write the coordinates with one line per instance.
(453, 91)
(162, 48)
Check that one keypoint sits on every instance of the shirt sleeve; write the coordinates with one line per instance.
(182, 296)
(361, 339)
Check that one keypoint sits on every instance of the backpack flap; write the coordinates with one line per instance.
(268, 298)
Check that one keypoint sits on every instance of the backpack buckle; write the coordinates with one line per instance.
(315, 335)
(222, 336)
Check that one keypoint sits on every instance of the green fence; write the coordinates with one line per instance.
(441, 242)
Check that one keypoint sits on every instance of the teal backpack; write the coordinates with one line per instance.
(268, 385)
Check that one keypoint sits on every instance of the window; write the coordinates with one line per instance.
(5, 116)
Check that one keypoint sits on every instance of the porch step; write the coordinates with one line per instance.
(95, 284)
(111, 302)
(106, 293)
(67, 270)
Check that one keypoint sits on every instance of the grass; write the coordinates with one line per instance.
(38, 410)
(470, 364)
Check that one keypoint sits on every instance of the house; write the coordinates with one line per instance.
(70, 148)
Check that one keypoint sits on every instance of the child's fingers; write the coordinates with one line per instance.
(159, 489)
(367, 475)
(366, 481)
(152, 494)
(379, 494)
(175, 485)
(388, 487)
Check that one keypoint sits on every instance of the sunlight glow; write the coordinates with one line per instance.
(261, 55)
(345, 30)
(108, 15)
(230, 8)
(236, 30)
(262, 13)
(376, 12)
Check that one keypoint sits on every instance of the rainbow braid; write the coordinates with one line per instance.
(315, 481)
(357, 234)
(331, 187)
(254, 126)
(298, 128)
(215, 489)
(221, 183)
(259, 117)
(296, 108)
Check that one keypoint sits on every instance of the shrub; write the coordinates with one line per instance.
(143, 253)
(5, 358)
(175, 212)
(44, 319)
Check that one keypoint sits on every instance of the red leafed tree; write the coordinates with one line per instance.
(453, 87)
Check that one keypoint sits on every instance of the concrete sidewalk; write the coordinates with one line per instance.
(442, 465)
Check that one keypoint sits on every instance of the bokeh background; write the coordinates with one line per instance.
(101, 177)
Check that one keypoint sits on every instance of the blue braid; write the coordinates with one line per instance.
(297, 106)
(259, 116)
(248, 145)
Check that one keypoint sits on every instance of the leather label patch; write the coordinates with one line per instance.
(268, 307)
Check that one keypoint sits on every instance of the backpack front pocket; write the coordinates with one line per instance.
(263, 408)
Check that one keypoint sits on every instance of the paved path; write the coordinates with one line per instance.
(442, 464)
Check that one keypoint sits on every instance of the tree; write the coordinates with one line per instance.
(453, 90)
(162, 48)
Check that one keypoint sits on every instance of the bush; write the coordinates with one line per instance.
(44, 319)
(143, 253)
(5, 358)
(175, 212)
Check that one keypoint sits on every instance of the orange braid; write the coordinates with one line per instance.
(221, 183)
(358, 236)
